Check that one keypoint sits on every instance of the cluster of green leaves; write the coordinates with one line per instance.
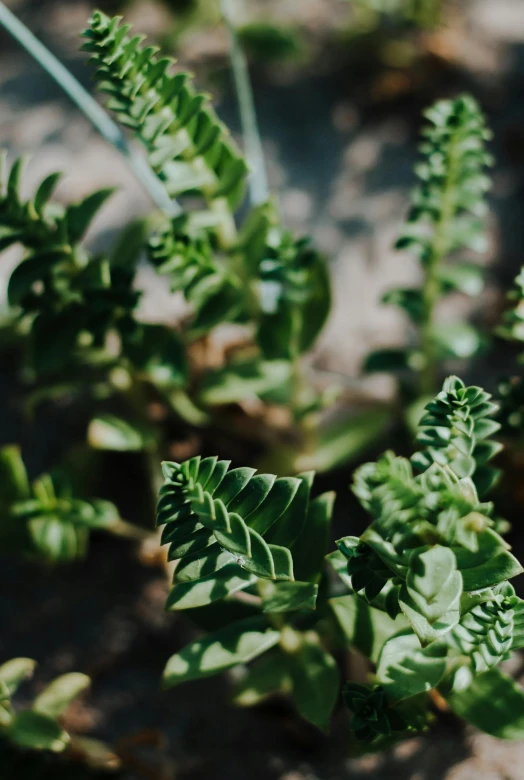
(70, 302)
(224, 275)
(37, 727)
(58, 290)
(79, 311)
(267, 279)
(447, 217)
(228, 528)
(44, 520)
(429, 601)
(433, 560)
(235, 530)
(455, 431)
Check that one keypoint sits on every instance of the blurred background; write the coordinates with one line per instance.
(339, 87)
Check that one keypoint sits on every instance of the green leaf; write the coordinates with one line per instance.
(15, 671)
(57, 540)
(491, 702)
(430, 598)
(341, 439)
(37, 731)
(160, 354)
(15, 175)
(309, 549)
(316, 310)
(339, 564)
(289, 596)
(215, 653)
(315, 681)
(57, 697)
(30, 271)
(467, 278)
(242, 380)
(201, 563)
(406, 669)
(109, 432)
(266, 677)
(131, 243)
(45, 190)
(283, 491)
(391, 360)
(491, 564)
(414, 412)
(365, 628)
(6, 709)
(104, 514)
(456, 340)
(80, 215)
(410, 300)
(291, 522)
(14, 483)
(218, 585)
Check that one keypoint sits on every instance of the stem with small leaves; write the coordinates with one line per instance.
(90, 108)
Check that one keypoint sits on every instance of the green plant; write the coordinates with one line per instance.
(37, 727)
(221, 273)
(429, 601)
(31, 735)
(77, 312)
(424, 592)
(447, 217)
(60, 293)
(45, 521)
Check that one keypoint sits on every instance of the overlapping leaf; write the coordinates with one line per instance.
(215, 518)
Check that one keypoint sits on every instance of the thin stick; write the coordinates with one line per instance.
(258, 184)
(90, 108)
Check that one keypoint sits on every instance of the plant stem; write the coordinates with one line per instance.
(258, 183)
(89, 107)
(428, 377)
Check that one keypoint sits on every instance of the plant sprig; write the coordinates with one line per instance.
(447, 217)
(428, 601)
